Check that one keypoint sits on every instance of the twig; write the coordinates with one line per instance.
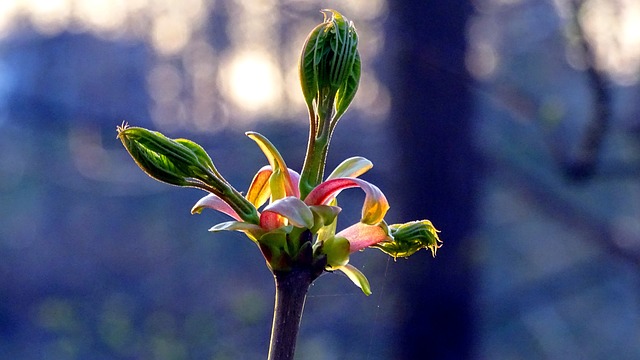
(291, 293)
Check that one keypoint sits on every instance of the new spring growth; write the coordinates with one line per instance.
(293, 217)
(181, 162)
(329, 76)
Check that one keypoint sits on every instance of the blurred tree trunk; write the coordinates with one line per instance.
(430, 116)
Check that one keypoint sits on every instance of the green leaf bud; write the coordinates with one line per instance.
(330, 67)
(181, 162)
(409, 238)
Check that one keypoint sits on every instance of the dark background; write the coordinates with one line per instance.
(513, 125)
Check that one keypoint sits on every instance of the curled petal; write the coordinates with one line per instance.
(214, 202)
(291, 208)
(375, 203)
(361, 235)
(280, 181)
(260, 190)
(351, 167)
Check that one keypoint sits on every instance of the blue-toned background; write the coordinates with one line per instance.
(473, 113)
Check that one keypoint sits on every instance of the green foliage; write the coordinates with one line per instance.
(409, 238)
(181, 162)
(329, 71)
(330, 67)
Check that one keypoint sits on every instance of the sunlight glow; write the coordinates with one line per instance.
(170, 33)
(613, 27)
(364, 9)
(103, 15)
(195, 81)
(8, 12)
(253, 81)
(50, 17)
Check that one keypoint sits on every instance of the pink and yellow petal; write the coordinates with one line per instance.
(293, 209)
(259, 190)
(362, 235)
(375, 203)
(280, 180)
(214, 202)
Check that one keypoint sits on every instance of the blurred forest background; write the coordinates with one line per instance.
(514, 125)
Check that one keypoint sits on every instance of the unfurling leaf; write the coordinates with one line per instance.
(182, 162)
(409, 238)
(330, 66)
(162, 158)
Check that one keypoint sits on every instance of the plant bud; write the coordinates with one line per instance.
(181, 162)
(330, 66)
(409, 238)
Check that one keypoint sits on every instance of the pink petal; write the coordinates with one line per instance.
(283, 184)
(270, 220)
(212, 201)
(291, 208)
(259, 190)
(295, 182)
(375, 203)
(361, 235)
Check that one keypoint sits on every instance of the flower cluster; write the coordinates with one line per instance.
(291, 216)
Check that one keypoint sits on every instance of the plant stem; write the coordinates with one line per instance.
(291, 292)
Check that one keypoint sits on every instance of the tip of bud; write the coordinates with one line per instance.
(330, 14)
(330, 67)
(122, 127)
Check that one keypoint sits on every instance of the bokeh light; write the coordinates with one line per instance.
(252, 82)
(102, 259)
(613, 27)
(241, 61)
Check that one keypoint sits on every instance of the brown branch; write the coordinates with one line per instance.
(291, 292)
